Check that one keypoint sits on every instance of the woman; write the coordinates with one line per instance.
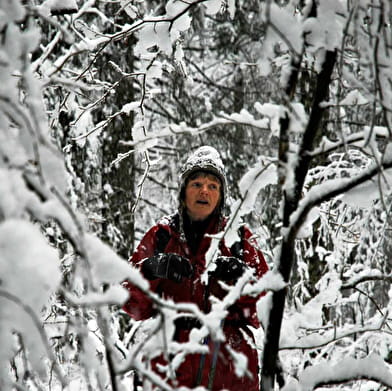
(172, 257)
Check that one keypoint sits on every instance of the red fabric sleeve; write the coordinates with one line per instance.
(139, 306)
(254, 258)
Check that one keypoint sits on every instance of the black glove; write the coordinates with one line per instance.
(171, 266)
(228, 268)
(237, 249)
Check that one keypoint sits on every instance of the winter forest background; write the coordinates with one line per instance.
(101, 102)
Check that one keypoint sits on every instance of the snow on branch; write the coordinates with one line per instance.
(242, 118)
(162, 329)
(259, 176)
(369, 275)
(270, 281)
(158, 339)
(314, 341)
(49, 204)
(372, 367)
(60, 7)
(161, 31)
(335, 187)
(114, 295)
(5, 295)
(360, 139)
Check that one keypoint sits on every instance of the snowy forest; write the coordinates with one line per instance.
(100, 104)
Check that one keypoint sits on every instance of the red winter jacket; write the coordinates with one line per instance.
(241, 314)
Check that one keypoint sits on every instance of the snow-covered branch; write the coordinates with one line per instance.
(252, 182)
(243, 118)
(317, 340)
(282, 55)
(5, 295)
(374, 275)
(359, 139)
(349, 369)
(335, 187)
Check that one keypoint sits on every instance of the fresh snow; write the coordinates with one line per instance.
(372, 367)
(35, 184)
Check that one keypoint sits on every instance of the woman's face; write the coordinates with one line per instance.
(202, 195)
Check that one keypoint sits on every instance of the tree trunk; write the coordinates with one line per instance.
(290, 204)
(117, 227)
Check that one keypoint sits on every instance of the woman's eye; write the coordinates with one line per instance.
(213, 187)
(196, 184)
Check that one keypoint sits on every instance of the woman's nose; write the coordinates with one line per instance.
(204, 189)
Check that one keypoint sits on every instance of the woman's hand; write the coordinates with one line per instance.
(171, 266)
(228, 269)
